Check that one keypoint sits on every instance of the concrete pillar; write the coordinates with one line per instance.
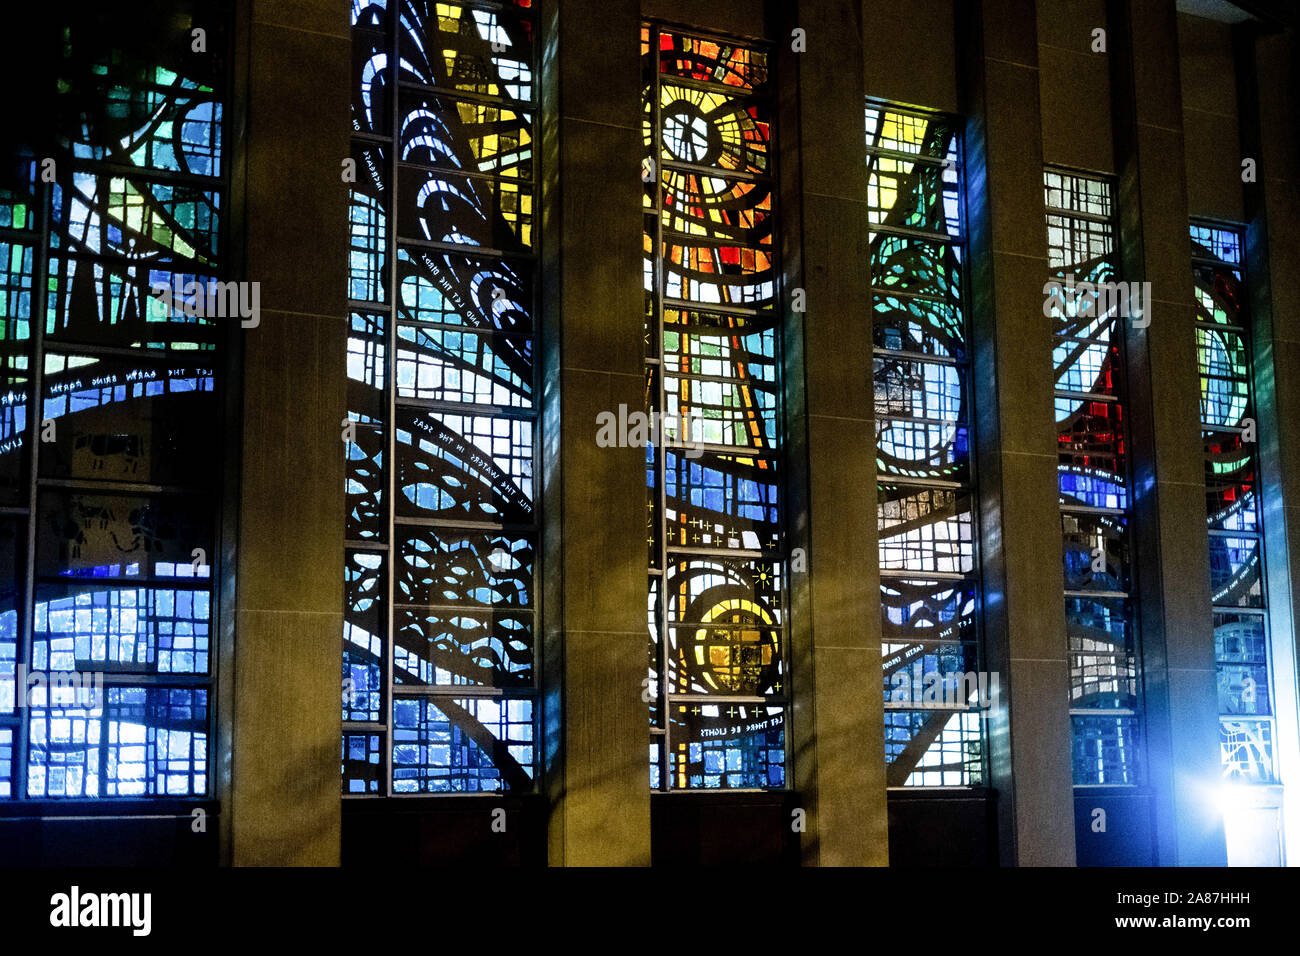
(1172, 563)
(835, 631)
(284, 771)
(1024, 614)
(596, 747)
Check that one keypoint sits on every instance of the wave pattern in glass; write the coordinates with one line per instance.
(717, 668)
(1223, 353)
(107, 626)
(1093, 475)
(440, 608)
(929, 580)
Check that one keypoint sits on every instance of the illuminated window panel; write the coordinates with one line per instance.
(653, 617)
(162, 224)
(16, 287)
(706, 589)
(365, 491)
(141, 742)
(458, 647)
(725, 658)
(499, 137)
(1099, 680)
(924, 530)
(1107, 750)
(457, 365)
(119, 656)
(1077, 194)
(15, 362)
(1246, 749)
(934, 748)
(1230, 482)
(1097, 554)
(483, 294)
(470, 568)
(1076, 245)
(714, 494)
(12, 579)
(924, 610)
(443, 382)
(710, 60)
(1236, 571)
(18, 203)
(128, 419)
(1088, 327)
(6, 761)
(444, 207)
(366, 366)
(368, 226)
(909, 266)
(464, 467)
(364, 627)
(1104, 669)
(719, 373)
(917, 673)
(726, 746)
(1091, 453)
(371, 42)
(1223, 363)
(463, 745)
(465, 49)
(363, 763)
(929, 568)
(731, 504)
(178, 129)
(736, 213)
(1233, 521)
(152, 630)
(1102, 654)
(922, 328)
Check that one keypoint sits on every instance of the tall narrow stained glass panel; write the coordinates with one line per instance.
(1089, 309)
(439, 649)
(929, 575)
(1233, 520)
(716, 597)
(110, 485)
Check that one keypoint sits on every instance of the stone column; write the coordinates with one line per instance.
(835, 632)
(1172, 561)
(284, 771)
(596, 748)
(1020, 525)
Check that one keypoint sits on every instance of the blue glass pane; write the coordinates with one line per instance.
(462, 745)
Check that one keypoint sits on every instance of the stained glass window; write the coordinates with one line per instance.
(1223, 353)
(717, 669)
(109, 495)
(929, 575)
(1089, 309)
(439, 642)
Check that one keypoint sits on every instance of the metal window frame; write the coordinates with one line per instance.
(1258, 535)
(393, 404)
(975, 577)
(227, 387)
(1120, 342)
(655, 365)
